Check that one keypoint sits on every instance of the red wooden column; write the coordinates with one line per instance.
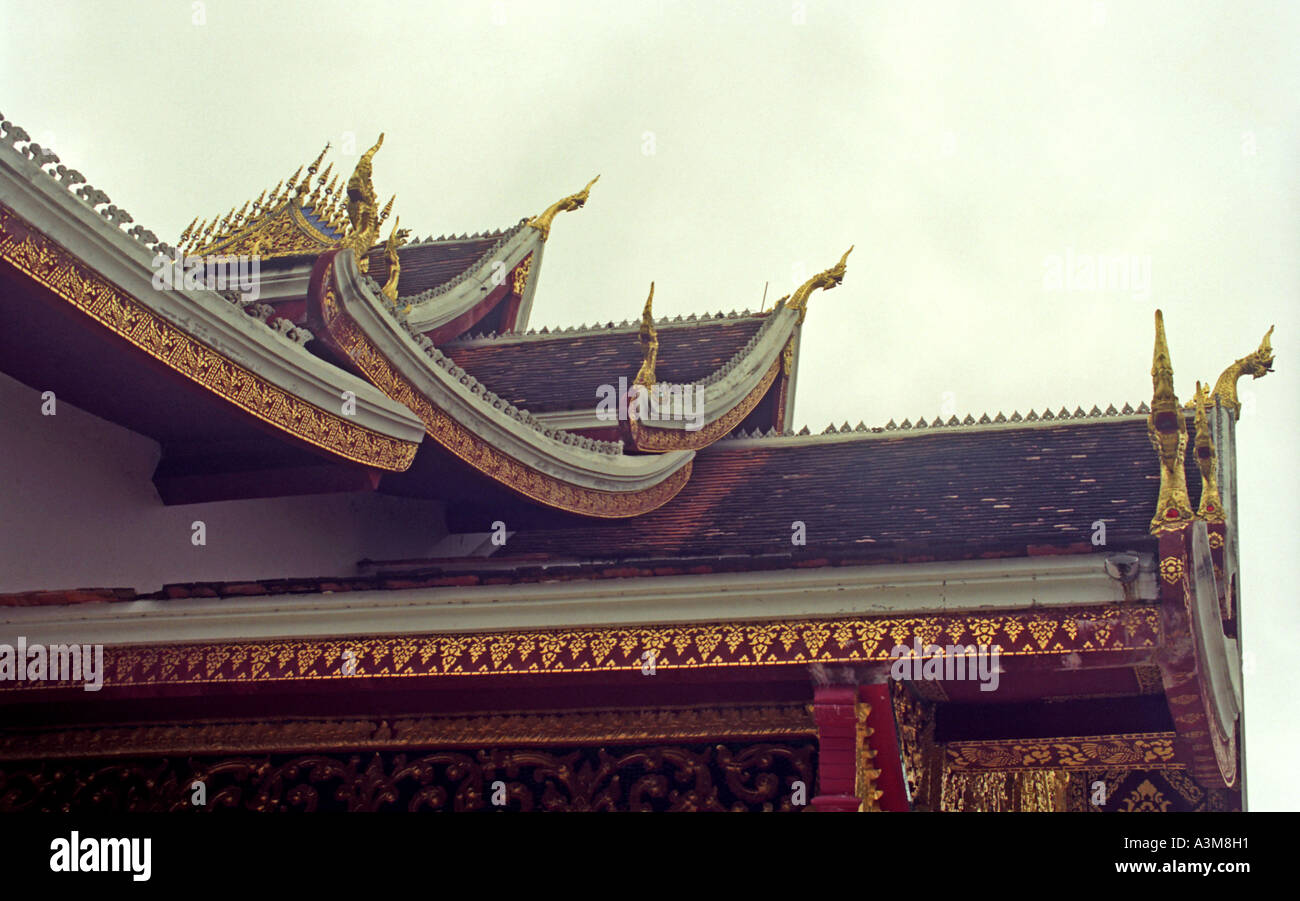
(835, 712)
(883, 739)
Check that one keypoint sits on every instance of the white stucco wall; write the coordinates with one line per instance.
(78, 509)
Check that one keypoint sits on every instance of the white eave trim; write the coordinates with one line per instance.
(894, 590)
(443, 308)
(520, 440)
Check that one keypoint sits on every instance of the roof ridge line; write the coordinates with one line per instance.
(447, 239)
(599, 328)
(894, 429)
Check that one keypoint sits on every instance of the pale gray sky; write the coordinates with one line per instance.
(958, 145)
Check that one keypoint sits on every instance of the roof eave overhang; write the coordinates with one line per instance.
(1034, 587)
(1200, 668)
(65, 245)
(567, 472)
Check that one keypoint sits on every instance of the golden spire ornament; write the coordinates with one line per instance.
(649, 343)
(1167, 429)
(1211, 507)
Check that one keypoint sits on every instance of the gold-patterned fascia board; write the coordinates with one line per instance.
(658, 440)
(351, 340)
(58, 270)
(1133, 750)
(627, 649)
(477, 730)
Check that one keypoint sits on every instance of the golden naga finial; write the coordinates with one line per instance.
(1167, 429)
(1256, 365)
(825, 280)
(649, 343)
(396, 238)
(1211, 509)
(573, 202)
(363, 209)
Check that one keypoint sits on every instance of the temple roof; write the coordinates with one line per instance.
(1006, 490)
(434, 262)
(560, 370)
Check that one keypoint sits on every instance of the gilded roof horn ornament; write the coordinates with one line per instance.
(396, 238)
(649, 343)
(363, 208)
(1211, 509)
(573, 202)
(1167, 429)
(1256, 365)
(826, 280)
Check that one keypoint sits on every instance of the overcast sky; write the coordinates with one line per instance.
(960, 146)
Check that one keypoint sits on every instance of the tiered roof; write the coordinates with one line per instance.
(550, 370)
(413, 323)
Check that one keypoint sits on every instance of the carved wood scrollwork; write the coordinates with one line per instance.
(722, 777)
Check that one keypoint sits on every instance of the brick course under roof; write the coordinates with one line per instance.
(1007, 491)
(561, 372)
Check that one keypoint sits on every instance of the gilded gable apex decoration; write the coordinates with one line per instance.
(303, 215)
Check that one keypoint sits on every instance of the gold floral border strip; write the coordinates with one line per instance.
(57, 269)
(352, 341)
(650, 438)
(692, 646)
(289, 735)
(1133, 750)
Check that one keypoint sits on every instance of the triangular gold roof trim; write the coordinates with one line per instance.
(296, 218)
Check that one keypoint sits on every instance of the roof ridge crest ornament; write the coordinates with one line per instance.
(826, 279)
(573, 202)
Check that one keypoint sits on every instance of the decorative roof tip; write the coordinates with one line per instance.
(1256, 365)
(1211, 508)
(826, 280)
(573, 202)
(1167, 429)
(649, 343)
